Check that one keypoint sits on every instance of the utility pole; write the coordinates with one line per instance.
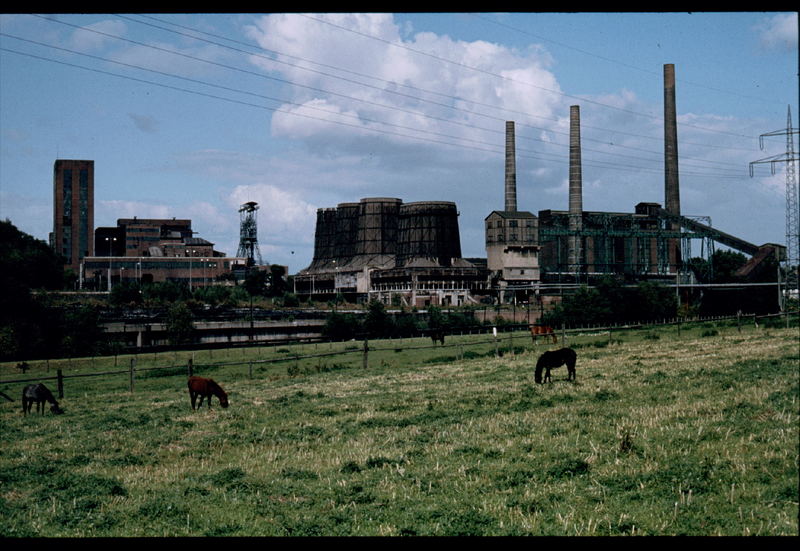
(792, 217)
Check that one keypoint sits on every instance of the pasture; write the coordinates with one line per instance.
(660, 434)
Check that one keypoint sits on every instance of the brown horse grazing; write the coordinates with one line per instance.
(40, 394)
(205, 388)
(544, 331)
(437, 335)
(556, 358)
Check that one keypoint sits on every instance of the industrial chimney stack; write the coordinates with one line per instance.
(575, 187)
(672, 201)
(511, 169)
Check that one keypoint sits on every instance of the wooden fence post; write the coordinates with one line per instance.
(494, 332)
(190, 367)
(133, 363)
(366, 353)
(250, 369)
(60, 384)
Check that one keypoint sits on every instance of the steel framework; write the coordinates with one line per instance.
(792, 217)
(248, 234)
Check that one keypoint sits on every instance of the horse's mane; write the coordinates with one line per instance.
(214, 387)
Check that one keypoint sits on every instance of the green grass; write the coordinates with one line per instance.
(693, 435)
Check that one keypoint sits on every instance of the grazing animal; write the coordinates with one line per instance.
(205, 388)
(543, 330)
(555, 358)
(437, 335)
(40, 394)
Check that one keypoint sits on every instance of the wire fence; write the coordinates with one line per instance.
(501, 337)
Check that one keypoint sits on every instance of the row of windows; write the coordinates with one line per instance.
(511, 224)
(152, 265)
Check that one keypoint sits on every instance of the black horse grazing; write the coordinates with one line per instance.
(437, 335)
(205, 388)
(555, 358)
(40, 394)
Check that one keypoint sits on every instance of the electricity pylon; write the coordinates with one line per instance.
(792, 215)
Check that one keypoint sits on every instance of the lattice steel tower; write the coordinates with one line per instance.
(248, 234)
(792, 217)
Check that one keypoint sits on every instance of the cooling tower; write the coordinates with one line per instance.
(324, 238)
(345, 232)
(511, 169)
(428, 234)
(376, 235)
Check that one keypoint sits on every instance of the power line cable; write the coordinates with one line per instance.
(484, 71)
(419, 113)
(294, 113)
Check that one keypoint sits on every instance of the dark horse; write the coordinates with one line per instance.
(437, 335)
(555, 358)
(40, 394)
(205, 388)
(543, 330)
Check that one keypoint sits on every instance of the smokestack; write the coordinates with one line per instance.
(575, 185)
(672, 201)
(511, 169)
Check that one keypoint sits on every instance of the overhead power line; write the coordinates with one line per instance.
(491, 148)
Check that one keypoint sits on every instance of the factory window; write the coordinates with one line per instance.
(512, 224)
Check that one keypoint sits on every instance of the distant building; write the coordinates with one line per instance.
(383, 249)
(155, 250)
(73, 211)
(512, 246)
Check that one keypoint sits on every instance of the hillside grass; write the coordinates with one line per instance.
(661, 434)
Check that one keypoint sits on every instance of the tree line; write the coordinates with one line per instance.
(39, 324)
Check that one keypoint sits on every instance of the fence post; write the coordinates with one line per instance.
(563, 334)
(133, 363)
(250, 369)
(60, 384)
(366, 353)
(190, 367)
(494, 331)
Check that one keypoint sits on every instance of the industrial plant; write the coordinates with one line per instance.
(387, 250)
(409, 254)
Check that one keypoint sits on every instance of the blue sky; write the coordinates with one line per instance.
(191, 115)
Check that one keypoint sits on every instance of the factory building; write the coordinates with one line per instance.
(512, 236)
(531, 257)
(154, 250)
(383, 249)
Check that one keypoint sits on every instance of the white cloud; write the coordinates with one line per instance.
(779, 32)
(434, 95)
(283, 217)
(95, 36)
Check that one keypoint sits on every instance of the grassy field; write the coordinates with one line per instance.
(661, 434)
